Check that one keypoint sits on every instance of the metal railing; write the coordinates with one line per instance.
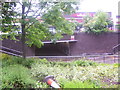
(116, 48)
(104, 58)
(10, 51)
(101, 58)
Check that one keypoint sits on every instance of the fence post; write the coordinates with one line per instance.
(104, 59)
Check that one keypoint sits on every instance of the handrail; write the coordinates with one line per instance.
(10, 53)
(118, 45)
(2, 47)
(79, 56)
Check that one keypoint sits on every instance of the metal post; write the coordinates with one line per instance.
(104, 59)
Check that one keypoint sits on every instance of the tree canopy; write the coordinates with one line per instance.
(37, 17)
(97, 24)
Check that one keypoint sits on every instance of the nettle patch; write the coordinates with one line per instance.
(99, 75)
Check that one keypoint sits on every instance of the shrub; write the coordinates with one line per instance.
(62, 64)
(4, 56)
(16, 76)
(117, 65)
(52, 63)
(41, 61)
(41, 85)
(10, 60)
(84, 63)
(79, 84)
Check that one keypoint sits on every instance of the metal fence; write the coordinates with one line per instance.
(104, 58)
(110, 59)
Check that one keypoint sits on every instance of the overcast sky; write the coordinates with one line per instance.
(95, 5)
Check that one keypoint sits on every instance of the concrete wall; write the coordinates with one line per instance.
(17, 45)
(87, 43)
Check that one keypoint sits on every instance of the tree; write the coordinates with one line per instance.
(97, 24)
(33, 29)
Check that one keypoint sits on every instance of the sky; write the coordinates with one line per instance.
(94, 5)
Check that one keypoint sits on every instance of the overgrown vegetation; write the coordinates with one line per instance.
(17, 76)
(11, 60)
(29, 73)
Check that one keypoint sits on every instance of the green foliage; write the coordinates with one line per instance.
(67, 7)
(7, 20)
(37, 33)
(117, 65)
(7, 12)
(16, 76)
(81, 62)
(81, 71)
(84, 63)
(35, 30)
(53, 63)
(8, 60)
(41, 85)
(54, 18)
(79, 84)
(43, 61)
(4, 56)
(64, 64)
(76, 74)
(98, 23)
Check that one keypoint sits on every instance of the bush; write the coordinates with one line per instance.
(41, 61)
(52, 63)
(62, 64)
(10, 60)
(117, 65)
(41, 85)
(79, 84)
(16, 76)
(84, 63)
(5, 56)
